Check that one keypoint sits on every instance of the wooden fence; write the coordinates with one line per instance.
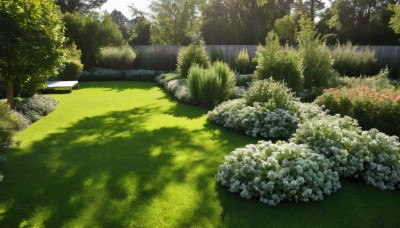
(165, 56)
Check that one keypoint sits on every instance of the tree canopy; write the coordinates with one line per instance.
(90, 33)
(395, 20)
(175, 22)
(31, 42)
(82, 6)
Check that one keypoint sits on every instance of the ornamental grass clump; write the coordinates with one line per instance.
(278, 172)
(336, 138)
(243, 62)
(192, 55)
(353, 61)
(121, 57)
(211, 86)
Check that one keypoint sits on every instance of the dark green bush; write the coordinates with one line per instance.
(244, 79)
(121, 57)
(372, 109)
(274, 94)
(90, 32)
(279, 63)
(211, 86)
(72, 70)
(188, 56)
(352, 61)
(34, 108)
(216, 55)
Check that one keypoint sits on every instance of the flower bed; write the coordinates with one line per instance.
(371, 108)
(277, 172)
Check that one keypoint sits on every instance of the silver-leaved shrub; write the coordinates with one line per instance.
(278, 172)
(383, 167)
(336, 138)
(256, 120)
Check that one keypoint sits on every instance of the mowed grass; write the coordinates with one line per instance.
(124, 154)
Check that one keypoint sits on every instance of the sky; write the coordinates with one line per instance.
(122, 5)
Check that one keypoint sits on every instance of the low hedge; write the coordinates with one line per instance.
(99, 74)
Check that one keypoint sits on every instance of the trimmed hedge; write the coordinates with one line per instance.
(99, 74)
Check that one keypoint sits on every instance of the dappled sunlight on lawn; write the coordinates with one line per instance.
(136, 158)
(119, 168)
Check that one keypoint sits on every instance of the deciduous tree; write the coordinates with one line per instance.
(82, 6)
(31, 42)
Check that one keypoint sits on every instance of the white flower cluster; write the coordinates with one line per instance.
(336, 138)
(371, 154)
(277, 172)
(255, 120)
(383, 168)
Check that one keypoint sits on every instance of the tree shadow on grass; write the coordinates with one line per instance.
(107, 171)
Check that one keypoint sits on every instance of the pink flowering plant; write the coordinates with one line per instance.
(372, 109)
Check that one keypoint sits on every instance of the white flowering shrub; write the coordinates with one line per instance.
(383, 167)
(255, 120)
(337, 138)
(307, 111)
(277, 172)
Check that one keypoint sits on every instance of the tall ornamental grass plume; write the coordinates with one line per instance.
(377, 82)
(354, 61)
(279, 63)
(188, 56)
(211, 86)
(120, 57)
(243, 62)
(316, 58)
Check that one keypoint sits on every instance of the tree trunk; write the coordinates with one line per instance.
(10, 92)
(312, 10)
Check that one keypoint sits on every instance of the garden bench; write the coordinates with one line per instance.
(62, 84)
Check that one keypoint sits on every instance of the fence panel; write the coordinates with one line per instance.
(165, 56)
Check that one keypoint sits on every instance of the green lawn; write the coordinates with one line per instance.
(124, 154)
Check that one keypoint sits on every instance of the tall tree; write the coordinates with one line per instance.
(395, 19)
(362, 21)
(82, 6)
(140, 27)
(90, 33)
(175, 21)
(241, 21)
(31, 42)
(123, 23)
